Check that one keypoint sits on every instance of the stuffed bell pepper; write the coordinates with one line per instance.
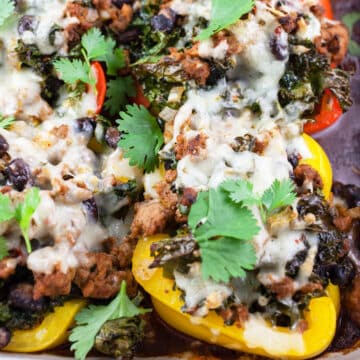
(154, 158)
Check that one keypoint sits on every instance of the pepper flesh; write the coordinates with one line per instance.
(330, 112)
(50, 333)
(100, 85)
(274, 342)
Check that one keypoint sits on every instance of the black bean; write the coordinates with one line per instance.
(112, 137)
(86, 125)
(279, 48)
(91, 209)
(21, 297)
(165, 21)
(4, 146)
(26, 23)
(5, 337)
(120, 3)
(18, 174)
(342, 274)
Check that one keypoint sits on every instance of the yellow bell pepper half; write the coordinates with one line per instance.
(257, 336)
(52, 332)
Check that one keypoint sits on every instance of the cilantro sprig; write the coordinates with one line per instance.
(22, 213)
(223, 230)
(95, 47)
(90, 320)
(277, 196)
(223, 225)
(7, 7)
(225, 13)
(141, 137)
(6, 121)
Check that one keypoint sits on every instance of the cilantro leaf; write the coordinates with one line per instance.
(240, 192)
(6, 121)
(6, 211)
(221, 227)
(117, 93)
(90, 320)
(280, 194)
(141, 138)
(225, 13)
(71, 71)
(4, 252)
(225, 258)
(25, 211)
(221, 217)
(7, 7)
(95, 44)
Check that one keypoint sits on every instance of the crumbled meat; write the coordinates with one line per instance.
(289, 23)
(305, 175)
(168, 198)
(170, 176)
(352, 300)
(87, 19)
(122, 252)
(196, 69)
(52, 285)
(333, 41)
(283, 288)
(191, 147)
(120, 18)
(233, 44)
(151, 217)
(188, 197)
(100, 277)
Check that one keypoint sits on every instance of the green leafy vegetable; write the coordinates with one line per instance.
(117, 94)
(7, 7)
(225, 13)
(6, 121)
(3, 248)
(72, 71)
(90, 320)
(226, 257)
(114, 59)
(211, 216)
(6, 211)
(23, 212)
(222, 228)
(280, 194)
(223, 225)
(240, 192)
(95, 47)
(141, 138)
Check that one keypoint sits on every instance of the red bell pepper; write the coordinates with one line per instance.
(329, 111)
(328, 8)
(100, 85)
